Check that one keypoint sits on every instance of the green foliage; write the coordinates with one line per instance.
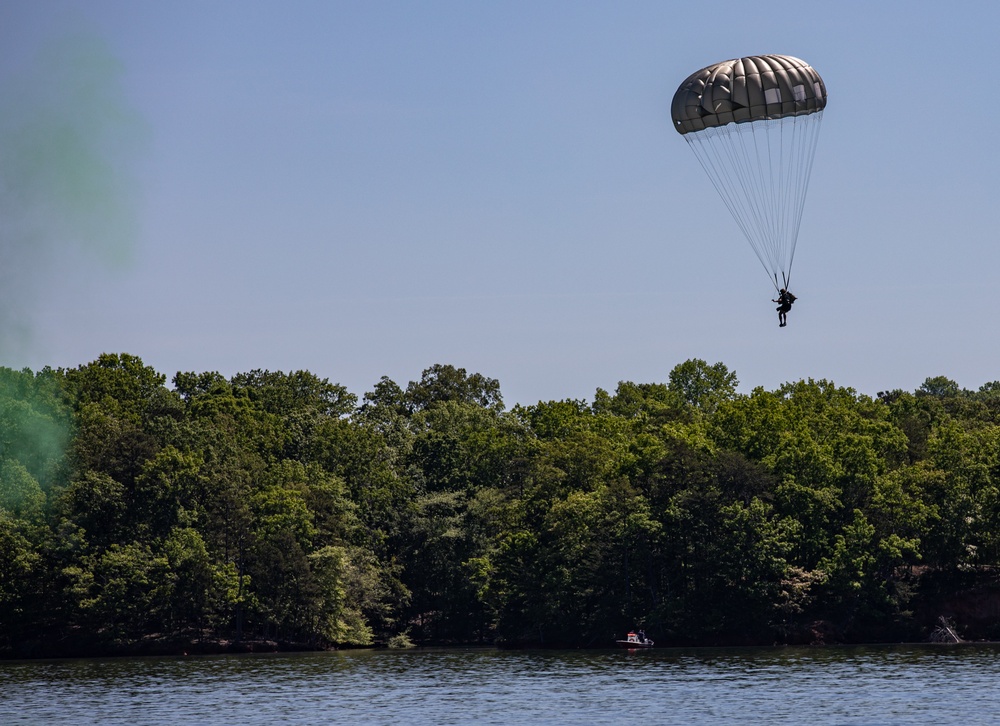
(124, 590)
(275, 506)
(442, 383)
(703, 386)
(19, 566)
(939, 387)
(20, 494)
(337, 606)
(121, 383)
(34, 426)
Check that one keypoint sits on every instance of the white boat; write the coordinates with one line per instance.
(635, 640)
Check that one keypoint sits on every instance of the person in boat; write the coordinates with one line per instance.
(785, 300)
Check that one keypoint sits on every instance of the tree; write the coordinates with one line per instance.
(939, 387)
(703, 386)
(19, 492)
(168, 492)
(286, 393)
(441, 383)
(650, 404)
(337, 613)
(852, 588)
(34, 424)
(202, 592)
(122, 385)
(19, 564)
(127, 589)
(98, 505)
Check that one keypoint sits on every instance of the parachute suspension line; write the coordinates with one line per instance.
(749, 156)
(787, 199)
(810, 126)
(773, 194)
(735, 172)
(761, 172)
(730, 168)
(804, 135)
(710, 157)
(759, 187)
(755, 189)
(784, 197)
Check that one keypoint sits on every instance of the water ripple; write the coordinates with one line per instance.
(824, 687)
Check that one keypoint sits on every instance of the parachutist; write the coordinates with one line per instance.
(785, 300)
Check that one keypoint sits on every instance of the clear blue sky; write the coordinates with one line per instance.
(362, 189)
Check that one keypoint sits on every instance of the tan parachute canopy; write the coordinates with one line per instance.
(747, 89)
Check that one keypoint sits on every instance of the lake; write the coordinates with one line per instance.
(932, 684)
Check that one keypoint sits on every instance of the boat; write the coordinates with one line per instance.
(635, 640)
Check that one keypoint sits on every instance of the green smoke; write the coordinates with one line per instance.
(67, 143)
(34, 431)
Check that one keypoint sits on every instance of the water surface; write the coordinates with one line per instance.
(815, 686)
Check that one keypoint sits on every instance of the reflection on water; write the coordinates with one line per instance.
(869, 685)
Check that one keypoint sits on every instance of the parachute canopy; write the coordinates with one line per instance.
(753, 123)
(747, 89)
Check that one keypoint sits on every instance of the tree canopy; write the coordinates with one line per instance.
(280, 508)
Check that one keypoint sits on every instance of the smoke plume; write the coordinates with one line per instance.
(68, 141)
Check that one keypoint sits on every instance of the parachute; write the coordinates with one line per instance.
(753, 124)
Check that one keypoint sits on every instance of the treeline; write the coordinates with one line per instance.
(280, 507)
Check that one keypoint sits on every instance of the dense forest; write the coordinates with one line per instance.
(280, 510)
